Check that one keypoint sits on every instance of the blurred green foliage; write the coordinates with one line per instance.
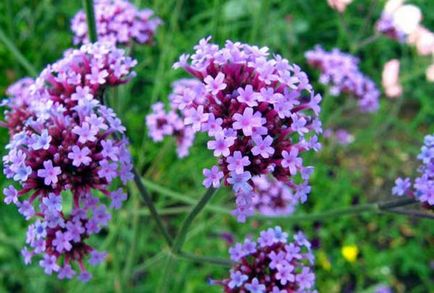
(394, 250)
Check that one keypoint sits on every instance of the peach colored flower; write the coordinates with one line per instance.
(423, 39)
(430, 73)
(390, 79)
(339, 5)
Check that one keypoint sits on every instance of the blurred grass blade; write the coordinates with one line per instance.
(17, 54)
(90, 18)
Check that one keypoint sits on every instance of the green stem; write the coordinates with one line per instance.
(152, 209)
(205, 259)
(180, 238)
(18, 55)
(90, 18)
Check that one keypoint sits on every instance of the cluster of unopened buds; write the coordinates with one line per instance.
(260, 114)
(66, 148)
(422, 188)
(272, 263)
(117, 21)
(341, 71)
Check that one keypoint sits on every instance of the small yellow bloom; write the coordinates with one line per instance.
(350, 252)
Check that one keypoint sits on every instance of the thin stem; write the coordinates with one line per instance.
(415, 214)
(180, 238)
(396, 203)
(205, 259)
(90, 18)
(152, 209)
(18, 55)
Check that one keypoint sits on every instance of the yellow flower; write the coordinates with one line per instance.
(350, 252)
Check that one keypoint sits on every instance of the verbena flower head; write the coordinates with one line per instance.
(163, 123)
(117, 21)
(272, 263)
(260, 114)
(422, 188)
(341, 72)
(272, 197)
(70, 150)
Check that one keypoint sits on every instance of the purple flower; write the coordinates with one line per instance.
(26, 209)
(195, 117)
(62, 241)
(401, 186)
(221, 145)
(109, 150)
(291, 160)
(212, 177)
(85, 132)
(11, 195)
(66, 272)
(247, 96)
(85, 276)
(119, 22)
(49, 264)
(27, 255)
(53, 202)
(239, 182)
(80, 156)
(255, 287)
(247, 121)
(237, 162)
(49, 173)
(267, 266)
(263, 146)
(118, 197)
(237, 279)
(215, 85)
(97, 257)
(41, 141)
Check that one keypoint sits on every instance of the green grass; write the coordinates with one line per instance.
(394, 250)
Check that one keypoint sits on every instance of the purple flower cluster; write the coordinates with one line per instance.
(163, 123)
(260, 114)
(339, 136)
(422, 188)
(118, 22)
(70, 149)
(341, 71)
(272, 197)
(271, 264)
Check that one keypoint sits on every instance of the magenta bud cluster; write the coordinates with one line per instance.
(272, 263)
(422, 188)
(260, 114)
(341, 72)
(68, 157)
(118, 22)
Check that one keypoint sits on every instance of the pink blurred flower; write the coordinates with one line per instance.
(339, 5)
(430, 73)
(390, 79)
(423, 39)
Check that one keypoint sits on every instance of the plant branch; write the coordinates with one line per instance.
(204, 259)
(180, 238)
(152, 209)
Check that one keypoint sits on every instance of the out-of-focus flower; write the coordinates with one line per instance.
(422, 188)
(398, 21)
(271, 264)
(339, 5)
(383, 289)
(260, 113)
(339, 136)
(423, 39)
(430, 73)
(163, 123)
(341, 72)
(350, 252)
(68, 145)
(390, 79)
(117, 21)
